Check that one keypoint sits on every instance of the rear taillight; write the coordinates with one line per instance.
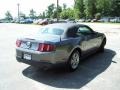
(46, 47)
(18, 43)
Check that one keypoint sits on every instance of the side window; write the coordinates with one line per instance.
(72, 32)
(84, 30)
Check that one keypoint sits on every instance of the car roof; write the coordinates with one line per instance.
(63, 26)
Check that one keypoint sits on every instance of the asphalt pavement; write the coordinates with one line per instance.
(100, 71)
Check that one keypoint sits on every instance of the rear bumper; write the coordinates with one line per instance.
(51, 57)
(40, 59)
(38, 63)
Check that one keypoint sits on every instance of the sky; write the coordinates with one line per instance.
(25, 6)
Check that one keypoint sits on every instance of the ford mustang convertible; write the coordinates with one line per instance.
(60, 43)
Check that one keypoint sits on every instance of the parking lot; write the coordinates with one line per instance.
(98, 72)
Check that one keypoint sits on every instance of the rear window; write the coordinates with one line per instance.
(52, 31)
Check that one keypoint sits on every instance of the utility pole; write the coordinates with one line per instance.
(18, 12)
(57, 11)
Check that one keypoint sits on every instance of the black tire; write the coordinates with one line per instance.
(70, 62)
(101, 49)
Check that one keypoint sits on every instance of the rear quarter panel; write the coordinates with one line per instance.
(66, 46)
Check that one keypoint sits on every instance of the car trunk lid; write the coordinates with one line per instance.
(32, 42)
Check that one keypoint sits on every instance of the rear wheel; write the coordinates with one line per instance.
(74, 61)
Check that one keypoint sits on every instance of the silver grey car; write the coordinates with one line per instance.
(60, 43)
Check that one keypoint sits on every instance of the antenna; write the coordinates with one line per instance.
(60, 38)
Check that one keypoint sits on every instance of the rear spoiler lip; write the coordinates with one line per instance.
(36, 41)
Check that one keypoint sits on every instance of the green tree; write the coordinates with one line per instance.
(90, 8)
(68, 13)
(96, 8)
(97, 16)
(22, 15)
(79, 8)
(8, 16)
(32, 14)
(115, 8)
(54, 15)
(50, 10)
(42, 15)
(104, 7)
(64, 14)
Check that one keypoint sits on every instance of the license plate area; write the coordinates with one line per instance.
(27, 56)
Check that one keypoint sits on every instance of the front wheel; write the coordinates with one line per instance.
(74, 61)
(101, 49)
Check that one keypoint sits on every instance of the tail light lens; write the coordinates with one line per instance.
(46, 47)
(18, 43)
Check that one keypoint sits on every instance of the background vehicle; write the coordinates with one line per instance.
(43, 22)
(26, 21)
(54, 44)
(37, 21)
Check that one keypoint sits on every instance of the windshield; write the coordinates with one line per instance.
(52, 31)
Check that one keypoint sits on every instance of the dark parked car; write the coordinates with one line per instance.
(44, 22)
(54, 44)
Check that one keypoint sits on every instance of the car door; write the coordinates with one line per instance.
(90, 41)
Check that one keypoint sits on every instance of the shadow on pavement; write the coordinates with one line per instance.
(60, 78)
